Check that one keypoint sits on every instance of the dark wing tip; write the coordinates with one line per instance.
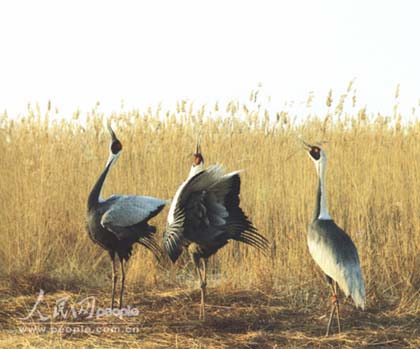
(152, 246)
(174, 256)
(172, 245)
(155, 212)
(243, 230)
(254, 239)
(232, 198)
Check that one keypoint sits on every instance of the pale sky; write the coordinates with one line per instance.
(78, 52)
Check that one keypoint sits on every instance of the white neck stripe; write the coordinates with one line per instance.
(323, 212)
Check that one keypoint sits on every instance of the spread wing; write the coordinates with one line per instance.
(187, 208)
(126, 211)
(206, 210)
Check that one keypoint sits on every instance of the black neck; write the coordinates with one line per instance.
(317, 210)
(96, 191)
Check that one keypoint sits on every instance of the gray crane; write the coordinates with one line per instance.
(331, 248)
(120, 221)
(205, 215)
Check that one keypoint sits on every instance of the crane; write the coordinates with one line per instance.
(330, 246)
(204, 215)
(120, 221)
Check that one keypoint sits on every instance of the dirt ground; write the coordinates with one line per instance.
(237, 319)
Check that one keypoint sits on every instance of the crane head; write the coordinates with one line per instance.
(198, 157)
(314, 151)
(116, 145)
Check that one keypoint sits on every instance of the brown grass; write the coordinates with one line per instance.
(236, 318)
(48, 168)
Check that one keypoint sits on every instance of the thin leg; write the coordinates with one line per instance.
(114, 281)
(330, 320)
(205, 260)
(203, 296)
(197, 267)
(203, 286)
(334, 303)
(122, 282)
(338, 308)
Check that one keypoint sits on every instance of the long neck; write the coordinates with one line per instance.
(321, 209)
(317, 202)
(96, 191)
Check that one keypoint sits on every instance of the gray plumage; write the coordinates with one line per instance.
(330, 247)
(205, 215)
(206, 212)
(334, 251)
(120, 221)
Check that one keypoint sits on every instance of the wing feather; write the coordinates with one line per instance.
(206, 210)
(335, 253)
(125, 211)
(189, 208)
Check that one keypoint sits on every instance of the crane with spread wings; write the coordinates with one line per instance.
(205, 215)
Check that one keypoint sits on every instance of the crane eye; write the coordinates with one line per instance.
(198, 159)
(116, 147)
(315, 153)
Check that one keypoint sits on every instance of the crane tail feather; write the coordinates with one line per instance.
(254, 239)
(152, 246)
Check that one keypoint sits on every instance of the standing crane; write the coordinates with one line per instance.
(120, 221)
(331, 248)
(205, 215)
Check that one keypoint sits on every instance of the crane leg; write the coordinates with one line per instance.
(205, 271)
(122, 281)
(334, 299)
(338, 308)
(114, 281)
(330, 320)
(202, 287)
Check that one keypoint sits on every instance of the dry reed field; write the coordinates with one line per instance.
(373, 182)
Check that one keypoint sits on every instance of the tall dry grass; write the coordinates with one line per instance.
(373, 180)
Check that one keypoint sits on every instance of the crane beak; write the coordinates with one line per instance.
(111, 131)
(305, 144)
(198, 147)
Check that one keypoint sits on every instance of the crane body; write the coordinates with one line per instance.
(205, 215)
(120, 221)
(330, 246)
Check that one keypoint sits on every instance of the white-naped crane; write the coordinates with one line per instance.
(331, 248)
(205, 215)
(120, 221)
